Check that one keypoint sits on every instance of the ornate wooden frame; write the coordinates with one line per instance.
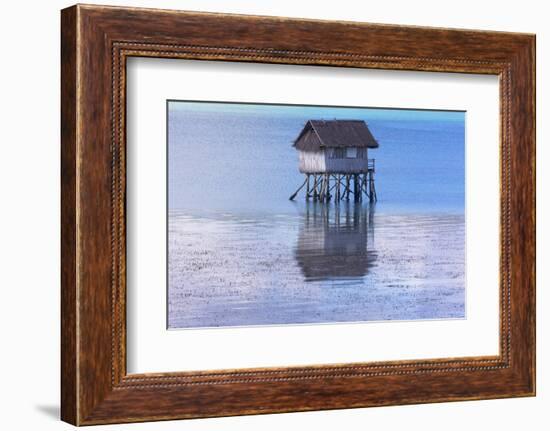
(96, 41)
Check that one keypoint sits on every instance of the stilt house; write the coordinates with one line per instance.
(333, 154)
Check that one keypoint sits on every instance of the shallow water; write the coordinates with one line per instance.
(322, 264)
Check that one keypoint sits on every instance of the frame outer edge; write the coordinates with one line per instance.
(533, 53)
(69, 201)
(532, 81)
(523, 207)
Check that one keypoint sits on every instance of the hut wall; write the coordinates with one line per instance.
(312, 162)
(347, 165)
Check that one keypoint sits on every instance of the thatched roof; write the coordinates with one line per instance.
(318, 134)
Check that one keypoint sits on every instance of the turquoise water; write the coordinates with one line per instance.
(241, 253)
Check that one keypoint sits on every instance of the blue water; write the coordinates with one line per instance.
(239, 158)
(240, 253)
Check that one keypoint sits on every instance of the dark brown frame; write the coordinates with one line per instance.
(96, 41)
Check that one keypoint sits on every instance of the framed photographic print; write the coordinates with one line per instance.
(266, 215)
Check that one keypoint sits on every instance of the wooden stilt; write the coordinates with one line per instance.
(296, 192)
(315, 194)
(345, 194)
(364, 185)
(372, 190)
(322, 187)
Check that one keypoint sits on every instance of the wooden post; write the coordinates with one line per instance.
(372, 190)
(296, 192)
(364, 185)
(315, 195)
(322, 187)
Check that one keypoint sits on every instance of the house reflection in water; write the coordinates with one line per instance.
(335, 241)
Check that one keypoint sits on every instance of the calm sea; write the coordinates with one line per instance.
(241, 253)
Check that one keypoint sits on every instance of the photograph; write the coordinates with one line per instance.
(281, 214)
